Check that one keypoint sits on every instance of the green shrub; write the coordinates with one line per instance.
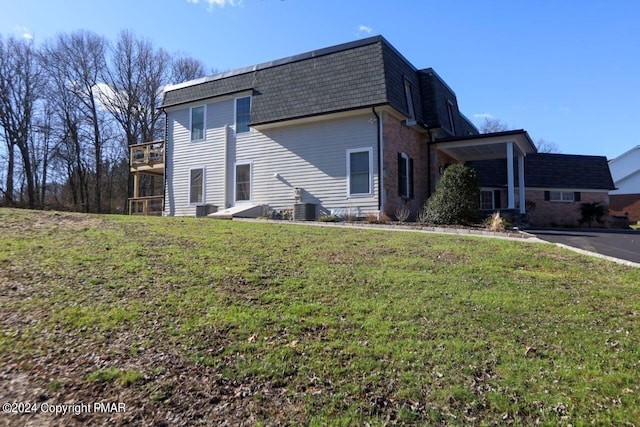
(456, 199)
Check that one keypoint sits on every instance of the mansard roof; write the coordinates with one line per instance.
(361, 74)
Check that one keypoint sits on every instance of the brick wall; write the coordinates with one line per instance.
(620, 204)
(398, 138)
(559, 214)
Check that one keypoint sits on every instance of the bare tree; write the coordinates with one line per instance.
(545, 146)
(78, 59)
(20, 82)
(491, 125)
(184, 68)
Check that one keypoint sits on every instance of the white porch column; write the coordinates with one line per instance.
(521, 183)
(510, 178)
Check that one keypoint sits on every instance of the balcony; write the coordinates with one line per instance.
(146, 163)
(147, 157)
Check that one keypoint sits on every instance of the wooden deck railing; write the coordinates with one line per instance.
(149, 154)
(149, 205)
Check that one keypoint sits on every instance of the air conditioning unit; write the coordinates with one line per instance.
(304, 212)
(204, 210)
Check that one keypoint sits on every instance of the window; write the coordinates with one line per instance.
(409, 99)
(450, 109)
(405, 176)
(243, 114)
(486, 200)
(196, 186)
(562, 196)
(490, 199)
(197, 123)
(359, 165)
(243, 182)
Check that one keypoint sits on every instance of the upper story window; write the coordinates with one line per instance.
(243, 114)
(450, 110)
(197, 123)
(359, 166)
(409, 99)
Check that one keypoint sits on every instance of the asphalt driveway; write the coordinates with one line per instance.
(622, 244)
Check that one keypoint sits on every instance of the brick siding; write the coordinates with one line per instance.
(398, 138)
(621, 204)
(559, 214)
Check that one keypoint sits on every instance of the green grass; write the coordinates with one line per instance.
(319, 326)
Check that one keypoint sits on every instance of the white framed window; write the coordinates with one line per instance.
(405, 176)
(196, 185)
(561, 196)
(409, 99)
(242, 114)
(486, 200)
(243, 178)
(197, 123)
(359, 176)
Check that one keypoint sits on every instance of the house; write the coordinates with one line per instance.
(556, 185)
(353, 127)
(625, 170)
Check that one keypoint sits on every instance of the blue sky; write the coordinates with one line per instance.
(567, 71)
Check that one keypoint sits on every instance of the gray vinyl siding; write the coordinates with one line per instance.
(310, 156)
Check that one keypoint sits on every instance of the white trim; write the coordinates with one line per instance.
(204, 186)
(237, 202)
(235, 113)
(350, 151)
(204, 123)
(521, 185)
(510, 179)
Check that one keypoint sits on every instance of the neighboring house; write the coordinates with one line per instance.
(556, 185)
(349, 128)
(625, 170)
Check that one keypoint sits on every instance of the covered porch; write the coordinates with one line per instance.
(512, 145)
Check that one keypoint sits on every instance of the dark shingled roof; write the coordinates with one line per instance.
(544, 170)
(360, 74)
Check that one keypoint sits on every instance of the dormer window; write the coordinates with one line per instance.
(409, 99)
(450, 110)
(243, 114)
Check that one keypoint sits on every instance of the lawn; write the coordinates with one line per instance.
(198, 322)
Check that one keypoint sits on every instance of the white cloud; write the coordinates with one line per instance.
(219, 3)
(24, 32)
(483, 116)
(365, 29)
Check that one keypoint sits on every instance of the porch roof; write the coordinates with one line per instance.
(487, 146)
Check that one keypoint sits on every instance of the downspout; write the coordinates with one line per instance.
(380, 165)
(164, 164)
(225, 154)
